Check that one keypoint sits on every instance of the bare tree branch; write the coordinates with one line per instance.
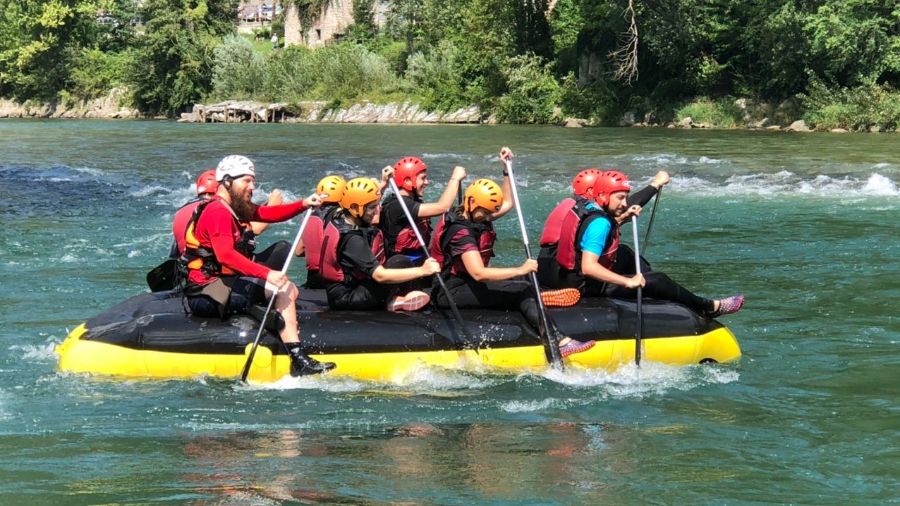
(626, 56)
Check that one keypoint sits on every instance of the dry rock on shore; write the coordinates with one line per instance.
(320, 112)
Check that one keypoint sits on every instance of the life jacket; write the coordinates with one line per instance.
(314, 234)
(334, 236)
(196, 257)
(406, 240)
(450, 225)
(564, 228)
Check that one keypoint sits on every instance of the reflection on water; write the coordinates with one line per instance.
(414, 462)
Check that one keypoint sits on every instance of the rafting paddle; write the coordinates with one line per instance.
(262, 323)
(412, 223)
(639, 323)
(551, 343)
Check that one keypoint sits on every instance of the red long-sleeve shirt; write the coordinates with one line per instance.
(219, 230)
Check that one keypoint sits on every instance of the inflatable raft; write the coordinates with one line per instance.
(150, 336)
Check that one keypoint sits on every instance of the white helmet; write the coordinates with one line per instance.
(234, 166)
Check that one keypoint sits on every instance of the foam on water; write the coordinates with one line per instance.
(651, 378)
(36, 352)
(422, 379)
(786, 183)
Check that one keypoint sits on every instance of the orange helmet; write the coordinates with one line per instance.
(333, 187)
(485, 193)
(408, 168)
(361, 191)
(206, 183)
(584, 181)
(610, 182)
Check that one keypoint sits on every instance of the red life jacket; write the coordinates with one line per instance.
(333, 239)
(196, 257)
(566, 225)
(448, 227)
(314, 234)
(406, 241)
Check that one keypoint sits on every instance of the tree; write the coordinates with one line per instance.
(173, 66)
(37, 42)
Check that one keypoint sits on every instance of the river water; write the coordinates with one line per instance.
(807, 226)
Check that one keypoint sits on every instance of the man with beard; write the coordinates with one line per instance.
(594, 246)
(222, 279)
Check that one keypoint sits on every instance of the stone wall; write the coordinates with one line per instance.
(101, 108)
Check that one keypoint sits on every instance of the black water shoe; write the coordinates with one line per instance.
(304, 365)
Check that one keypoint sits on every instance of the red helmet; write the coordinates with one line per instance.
(610, 182)
(206, 183)
(584, 181)
(408, 168)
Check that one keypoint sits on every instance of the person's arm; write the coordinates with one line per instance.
(508, 202)
(592, 245)
(275, 199)
(590, 267)
(222, 241)
(284, 212)
(429, 209)
(386, 174)
(476, 268)
(642, 196)
(382, 274)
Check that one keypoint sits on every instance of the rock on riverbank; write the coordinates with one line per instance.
(320, 112)
(100, 108)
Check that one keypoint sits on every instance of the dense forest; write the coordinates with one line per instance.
(835, 63)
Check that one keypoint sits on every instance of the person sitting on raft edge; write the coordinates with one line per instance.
(353, 264)
(464, 243)
(222, 280)
(411, 176)
(586, 256)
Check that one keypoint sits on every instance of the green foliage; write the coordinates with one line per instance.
(566, 25)
(173, 65)
(533, 91)
(238, 69)
(437, 78)
(721, 113)
(37, 42)
(336, 72)
(94, 73)
(855, 108)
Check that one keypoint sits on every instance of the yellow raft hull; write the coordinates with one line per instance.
(83, 356)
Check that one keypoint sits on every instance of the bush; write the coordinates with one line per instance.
(717, 113)
(238, 69)
(852, 108)
(348, 70)
(94, 73)
(436, 78)
(596, 101)
(533, 91)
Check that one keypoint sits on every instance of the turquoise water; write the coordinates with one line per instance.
(807, 226)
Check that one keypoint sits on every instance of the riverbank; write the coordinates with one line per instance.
(106, 107)
(742, 114)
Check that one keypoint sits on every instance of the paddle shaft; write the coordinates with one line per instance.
(639, 323)
(412, 223)
(551, 344)
(262, 324)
